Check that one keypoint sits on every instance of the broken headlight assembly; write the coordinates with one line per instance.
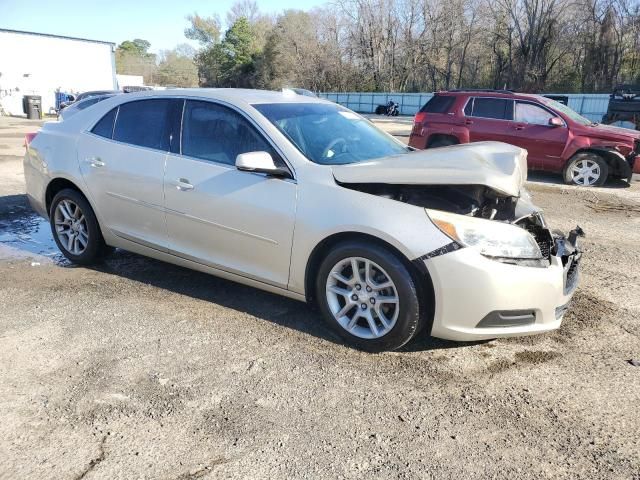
(500, 241)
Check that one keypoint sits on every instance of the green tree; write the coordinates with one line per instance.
(205, 30)
(133, 58)
(176, 69)
(231, 62)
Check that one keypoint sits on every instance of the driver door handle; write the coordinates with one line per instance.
(519, 127)
(183, 185)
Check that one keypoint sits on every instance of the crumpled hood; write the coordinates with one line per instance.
(497, 165)
(611, 132)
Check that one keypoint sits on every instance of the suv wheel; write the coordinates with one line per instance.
(369, 297)
(442, 142)
(586, 170)
(75, 228)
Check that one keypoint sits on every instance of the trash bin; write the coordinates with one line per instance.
(33, 106)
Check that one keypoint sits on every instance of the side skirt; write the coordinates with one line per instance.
(183, 262)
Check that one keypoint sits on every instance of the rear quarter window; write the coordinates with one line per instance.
(438, 104)
(104, 127)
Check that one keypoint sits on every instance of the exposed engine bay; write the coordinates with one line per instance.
(482, 202)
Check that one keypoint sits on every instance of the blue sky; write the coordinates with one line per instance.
(161, 23)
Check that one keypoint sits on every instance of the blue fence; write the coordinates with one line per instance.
(592, 106)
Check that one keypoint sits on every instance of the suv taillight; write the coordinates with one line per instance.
(420, 117)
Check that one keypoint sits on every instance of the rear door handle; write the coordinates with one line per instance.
(519, 127)
(95, 162)
(183, 185)
(468, 122)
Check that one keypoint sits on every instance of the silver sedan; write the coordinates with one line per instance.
(307, 199)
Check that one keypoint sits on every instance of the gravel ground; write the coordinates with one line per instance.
(139, 369)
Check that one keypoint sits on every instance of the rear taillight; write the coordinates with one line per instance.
(420, 117)
(28, 138)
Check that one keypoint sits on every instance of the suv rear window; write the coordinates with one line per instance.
(438, 104)
(496, 108)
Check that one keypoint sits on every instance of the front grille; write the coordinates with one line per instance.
(545, 247)
(571, 277)
(543, 240)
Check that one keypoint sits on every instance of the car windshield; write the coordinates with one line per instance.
(572, 114)
(330, 134)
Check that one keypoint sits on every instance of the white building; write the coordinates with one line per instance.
(129, 80)
(40, 64)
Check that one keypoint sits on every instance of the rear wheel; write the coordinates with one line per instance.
(369, 297)
(75, 228)
(586, 170)
(442, 142)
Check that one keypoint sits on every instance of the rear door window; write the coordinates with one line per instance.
(219, 134)
(438, 104)
(496, 108)
(104, 127)
(147, 123)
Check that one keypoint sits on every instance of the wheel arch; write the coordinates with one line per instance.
(441, 136)
(618, 165)
(58, 184)
(421, 276)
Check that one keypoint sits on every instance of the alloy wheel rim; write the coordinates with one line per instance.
(585, 172)
(71, 227)
(362, 298)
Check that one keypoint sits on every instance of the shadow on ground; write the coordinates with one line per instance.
(556, 178)
(23, 233)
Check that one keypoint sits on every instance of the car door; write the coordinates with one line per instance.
(545, 143)
(488, 118)
(240, 222)
(122, 161)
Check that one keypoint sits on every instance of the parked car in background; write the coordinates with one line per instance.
(307, 199)
(303, 91)
(85, 95)
(78, 106)
(556, 138)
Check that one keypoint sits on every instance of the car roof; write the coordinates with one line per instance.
(490, 93)
(231, 95)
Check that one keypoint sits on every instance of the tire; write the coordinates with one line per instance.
(442, 142)
(594, 164)
(380, 110)
(66, 221)
(402, 320)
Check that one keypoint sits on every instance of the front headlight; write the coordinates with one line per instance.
(489, 237)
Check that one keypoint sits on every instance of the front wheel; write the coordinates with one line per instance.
(75, 228)
(586, 170)
(367, 294)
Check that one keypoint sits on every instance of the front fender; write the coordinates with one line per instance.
(618, 164)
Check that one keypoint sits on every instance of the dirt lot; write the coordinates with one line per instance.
(139, 369)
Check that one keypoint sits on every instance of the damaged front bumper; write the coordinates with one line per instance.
(480, 298)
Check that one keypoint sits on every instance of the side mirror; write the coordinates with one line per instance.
(260, 162)
(556, 122)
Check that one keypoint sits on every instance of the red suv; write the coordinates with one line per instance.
(557, 138)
